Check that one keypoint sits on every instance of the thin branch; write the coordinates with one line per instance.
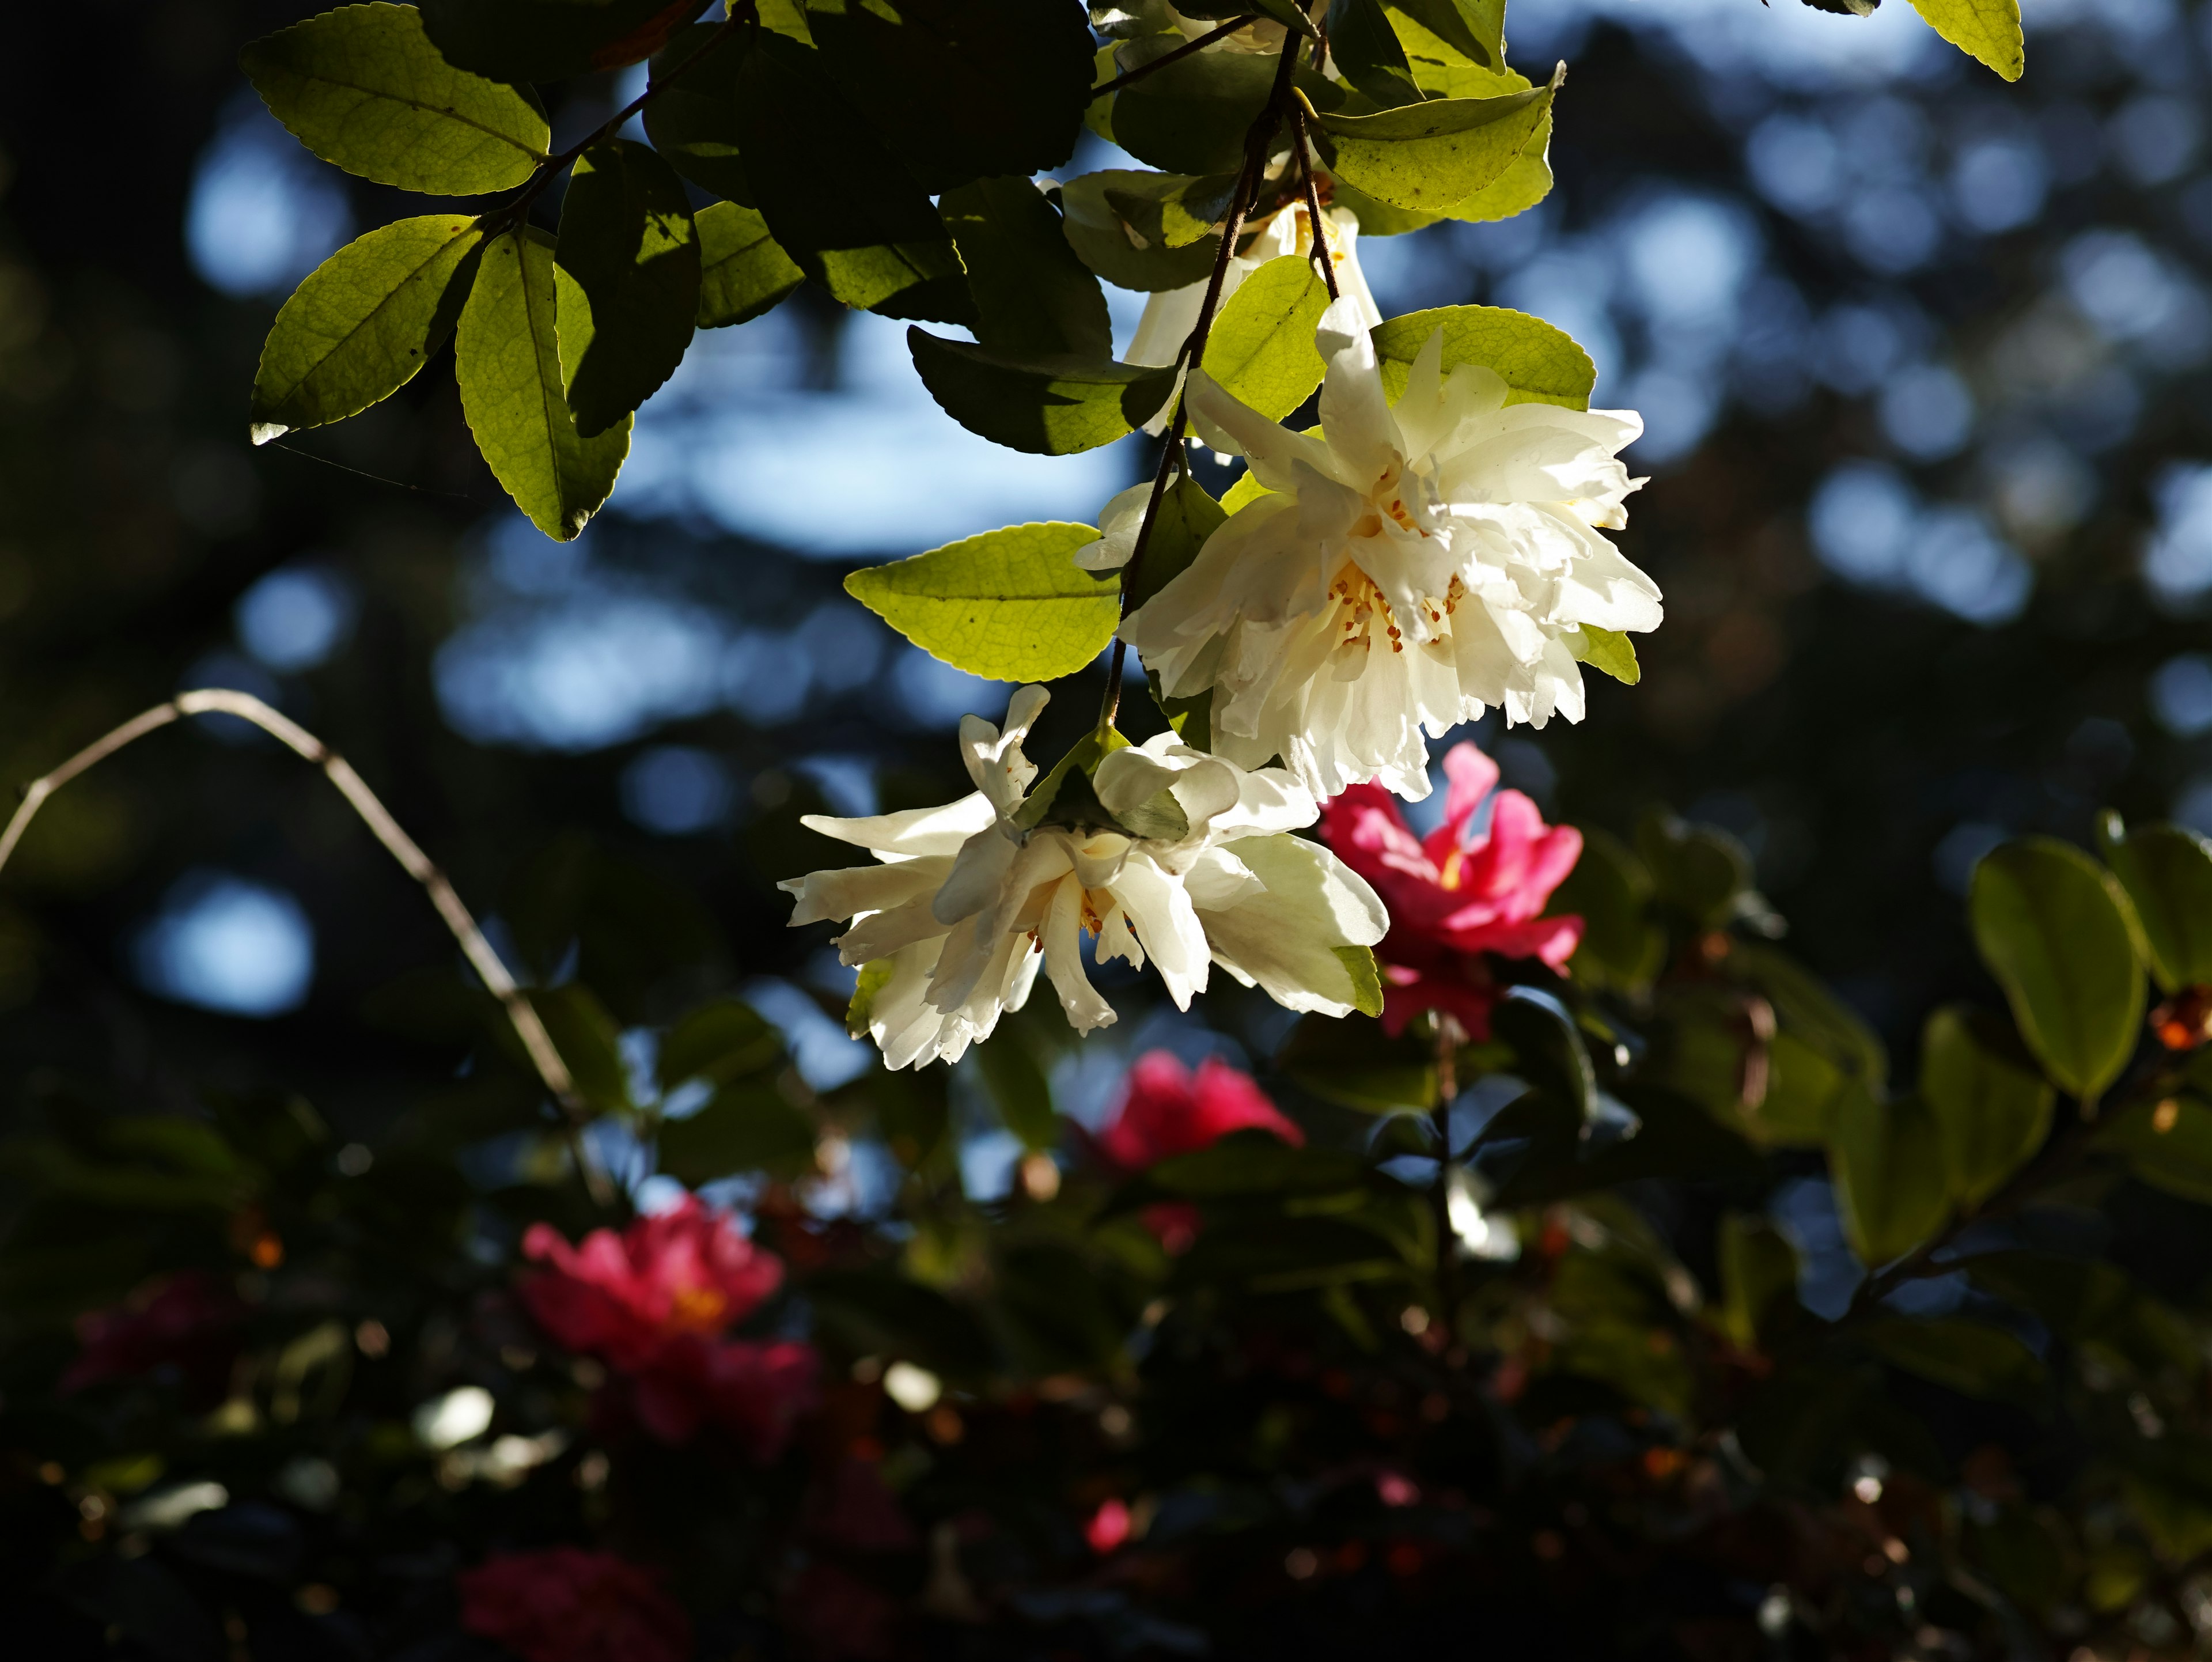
(1257, 139)
(1167, 57)
(520, 1013)
(1321, 255)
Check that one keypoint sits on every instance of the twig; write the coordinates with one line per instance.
(1320, 254)
(1257, 138)
(1167, 57)
(528, 1026)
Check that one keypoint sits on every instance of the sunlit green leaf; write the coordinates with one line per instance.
(1262, 347)
(1105, 213)
(1609, 650)
(2054, 928)
(1539, 362)
(508, 360)
(1431, 156)
(363, 322)
(1985, 29)
(743, 270)
(1474, 28)
(363, 88)
(1010, 605)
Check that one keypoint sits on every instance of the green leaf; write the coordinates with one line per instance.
(1288, 13)
(508, 360)
(363, 89)
(746, 1127)
(1994, 1110)
(1539, 362)
(874, 976)
(1353, 1063)
(2054, 928)
(1019, 1088)
(1548, 1050)
(1191, 115)
(1262, 347)
(1969, 1357)
(1187, 518)
(718, 1042)
(964, 89)
(627, 241)
(363, 322)
(1758, 1266)
(743, 270)
(551, 39)
(1474, 28)
(589, 1042)
(839, 202)
(1611, 892)
(1887, 1162)
(693, 119)
(1610, 651)
(1105, 213)
(1429, 156)
(1032, 294)
(1171, 210)
(1048, 405)
(1985, 29)
(1365, 50)
(1366, 979)
(2167, 872)
(1009, 605)
(1697, 871)
(2167, 1145)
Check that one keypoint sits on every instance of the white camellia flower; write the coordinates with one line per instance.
(1172, 313)
(1406, 569)
(1196, 868)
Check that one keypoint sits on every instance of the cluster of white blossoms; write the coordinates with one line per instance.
(1409, 568)
(1175, 856)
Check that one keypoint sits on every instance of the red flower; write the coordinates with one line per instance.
(1166, 1110)
(1453, 898)
(687, 1270)
(187, 1325)
(568, 1606)
(756, 1392)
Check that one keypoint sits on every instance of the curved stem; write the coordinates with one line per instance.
(521, 1014)
(1314, 216)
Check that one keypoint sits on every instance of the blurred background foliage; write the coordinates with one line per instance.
(1923, 361)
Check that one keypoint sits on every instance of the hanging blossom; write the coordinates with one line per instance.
(1408, 569)
(1172, 313)
(1196, 867)
(1166, 1110)
(654, 1304)
(1455, 900)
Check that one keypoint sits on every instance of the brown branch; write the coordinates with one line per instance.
(1168, 57)
(520, 1013)
(1320, 254)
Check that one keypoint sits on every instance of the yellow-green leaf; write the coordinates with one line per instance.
(743, 271)
(1609, 650)
(1539, 362)
(1985, 29)
(363, 89)
(1262, 347)
(508, 360)
(1010, 605)
(1433, 155)
(363, 322)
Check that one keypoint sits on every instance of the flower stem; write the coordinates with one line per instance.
(1321, 255)
(1257, 138)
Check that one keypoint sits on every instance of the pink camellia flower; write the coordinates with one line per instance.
(1453, 898)
(1166, 1110)
(621, 1297)
(185, 1327)
(568, 1606)
(755, 1392)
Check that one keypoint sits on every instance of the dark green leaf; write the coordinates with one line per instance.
(1429, 156)
(363, 89)
(1048, 405)
(1696, 870)
(1365, 50)
(1611, 892)
(1993, 1106)
(964, 89)
(551, 39)
(627, 241)
(589, 1042)
(1758, 1265)
(1969, 1357)
(1192, 116)
(872, 1312)
(743, 270)
(2167, 872)
(1539, 362)
(509, 364)
(1019, 1088)
(1353, 1063)
(2054, 928)
(1262, 347)
(1187, 518)
(363, 322)
(746, 1127)
(1105, 215)
(1547, 1049)
(1171, 210)
(1032, 294)
(2167, 1145)
(1010, 605)
(1887, 1162)
(718, 1042)
(839, 202)
(693, 119)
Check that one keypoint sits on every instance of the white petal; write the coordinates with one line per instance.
(912, 832)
